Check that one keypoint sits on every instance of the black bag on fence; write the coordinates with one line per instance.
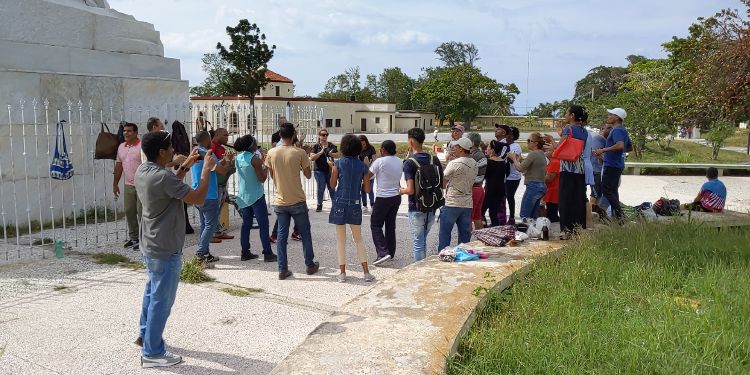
(180, 139)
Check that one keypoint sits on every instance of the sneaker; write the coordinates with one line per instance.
(365, 209)
(164, 360)
(369, 277)
(139, 341)
(284, 274)
(136, 246)
(297, 236)
(210, 258)
(319, 208)
(341, 277)
(381, 260)
(248, 257)
(313, 269)
(130, 243)
(270, 258)
(272, 238)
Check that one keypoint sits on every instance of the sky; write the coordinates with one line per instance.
(543, 46)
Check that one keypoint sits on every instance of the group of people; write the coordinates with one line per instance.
(479, 177)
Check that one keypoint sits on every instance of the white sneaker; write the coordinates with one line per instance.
(381, 260)
(369, 277)
(164, 360)
(341, 277)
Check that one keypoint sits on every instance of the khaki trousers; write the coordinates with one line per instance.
(132, 211)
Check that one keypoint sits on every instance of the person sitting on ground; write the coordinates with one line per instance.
(348, 175)
(712, 195)
(534, 168)
(460, 174)
(251, 198)
(387, 170)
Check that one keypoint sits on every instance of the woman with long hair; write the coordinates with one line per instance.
(572, 188)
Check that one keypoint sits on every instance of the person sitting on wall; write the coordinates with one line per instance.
(712, 195)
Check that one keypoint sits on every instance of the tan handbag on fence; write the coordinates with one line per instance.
(106, 144)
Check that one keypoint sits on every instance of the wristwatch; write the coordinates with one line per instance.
(184, 168)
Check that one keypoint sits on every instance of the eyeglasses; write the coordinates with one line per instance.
(529, 140)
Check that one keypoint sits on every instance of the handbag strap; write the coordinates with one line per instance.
(65, 146)
(57, 140)
(105, 126)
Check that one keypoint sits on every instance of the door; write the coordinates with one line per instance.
(363, 125)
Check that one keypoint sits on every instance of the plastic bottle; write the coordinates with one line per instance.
(59, 249)
(545, 233)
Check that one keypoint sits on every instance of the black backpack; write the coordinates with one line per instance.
(666, 207)
(180, 139)
(428, 186)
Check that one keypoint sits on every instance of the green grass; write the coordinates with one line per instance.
(687, 152)
(240, 291)
(118, 260)
(193, 272)
(739, 139)
(645, 299)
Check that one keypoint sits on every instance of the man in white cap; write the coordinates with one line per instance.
(459, 177)
(618, 142)
(457, 131)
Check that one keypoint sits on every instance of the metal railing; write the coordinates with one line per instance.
(36, 210)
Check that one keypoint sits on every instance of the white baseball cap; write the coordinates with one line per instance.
(464, 143)
(619, 112)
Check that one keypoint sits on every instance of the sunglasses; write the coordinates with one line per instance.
(323, 135)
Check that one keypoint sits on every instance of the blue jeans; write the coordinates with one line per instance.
(371, 194)
(420, 224)
(450, 216)
(535, 191)
(284, 215)
(209, 213)
(158, 298)
(259, 210)
(323, 180)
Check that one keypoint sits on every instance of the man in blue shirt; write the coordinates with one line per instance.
(618, 141)
(209, 211)
(598, 140)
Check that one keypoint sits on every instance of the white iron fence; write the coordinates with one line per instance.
(36, 210)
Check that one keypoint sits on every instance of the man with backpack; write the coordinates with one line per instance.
(424, 180)
(618, 142)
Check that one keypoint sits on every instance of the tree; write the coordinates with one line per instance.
(214, 84)
(457, 53)
(246, 60)
(600, 81)
(343, 85)
(394, 86)
(462, 92)
(555, 109)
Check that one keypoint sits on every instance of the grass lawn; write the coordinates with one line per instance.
(739, 139)
(646, 299)
(688, 152)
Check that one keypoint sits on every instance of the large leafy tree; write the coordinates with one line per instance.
(344, 85)
(600, 81)
(457, 53)
(214, 84)
(554, 109)
(394, 86)
(246, 60)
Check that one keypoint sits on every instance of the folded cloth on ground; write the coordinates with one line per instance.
(495, 236)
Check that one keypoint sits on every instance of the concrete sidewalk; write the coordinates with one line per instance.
(87, 325)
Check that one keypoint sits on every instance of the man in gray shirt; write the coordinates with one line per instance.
(162, 194)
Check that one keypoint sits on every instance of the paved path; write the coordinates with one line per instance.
(87, 327)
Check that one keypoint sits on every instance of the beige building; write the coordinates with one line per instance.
(277, 99)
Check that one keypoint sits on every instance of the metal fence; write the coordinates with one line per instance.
(36, 210)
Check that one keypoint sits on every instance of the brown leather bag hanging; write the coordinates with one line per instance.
(106, 144)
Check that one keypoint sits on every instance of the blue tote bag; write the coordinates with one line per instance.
(61, 167)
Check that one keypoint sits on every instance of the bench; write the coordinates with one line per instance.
(636, 167)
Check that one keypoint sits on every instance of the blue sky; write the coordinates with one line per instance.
(318, 39)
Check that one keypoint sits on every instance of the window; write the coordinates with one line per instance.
(377, 120)
(430, 122)
(338, 122)
(318, 124)
(234, 120)
(277, 90)
(329, 123)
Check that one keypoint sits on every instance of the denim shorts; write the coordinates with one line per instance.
(346, 211)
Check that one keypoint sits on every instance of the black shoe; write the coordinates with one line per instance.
(270, 258)
(249, 257)
(320, 208)
(136, 246)
(284, 274)
(313, 269)
(130, 243)
(139, 341)
(189, 230)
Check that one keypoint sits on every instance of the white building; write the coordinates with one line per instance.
(277, 99)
